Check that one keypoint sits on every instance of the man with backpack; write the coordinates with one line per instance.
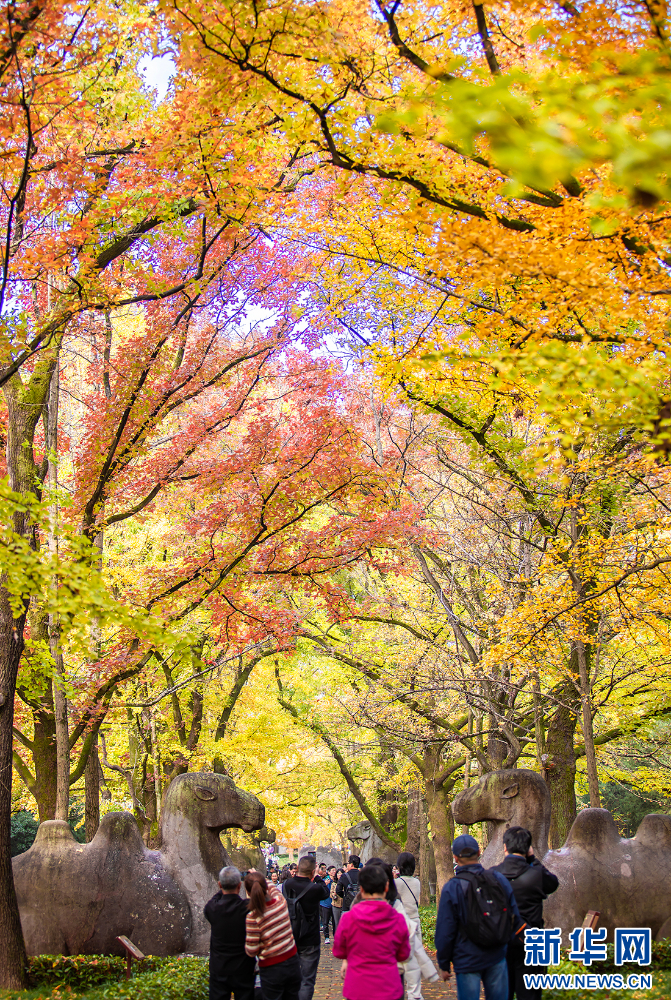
(531, 884)
(348, 883)
(477, 917)
(303, 895)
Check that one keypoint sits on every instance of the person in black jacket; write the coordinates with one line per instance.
(531, 884)
(231, 968)
(311, 890)
(348, 879)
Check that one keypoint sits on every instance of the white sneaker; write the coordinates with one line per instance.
(326, 940)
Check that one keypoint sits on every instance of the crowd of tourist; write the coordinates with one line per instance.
(267, 946)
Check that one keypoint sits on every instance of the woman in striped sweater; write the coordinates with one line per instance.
(271, 940)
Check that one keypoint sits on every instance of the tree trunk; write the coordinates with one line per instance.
(62, 732)
(60, 694)
(560, 766)
(467, 765)
(414, 820)
(497, 745)
(24, 410)
(587, 728)
(44, 760)
(92, 794)
(13, 963)
(424, 857)
(538, 722)
(442, 831)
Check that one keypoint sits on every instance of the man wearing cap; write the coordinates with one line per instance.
(472, 963)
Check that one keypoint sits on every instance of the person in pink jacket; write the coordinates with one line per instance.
(372, 938)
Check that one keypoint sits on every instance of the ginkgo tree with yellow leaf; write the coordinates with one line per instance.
(512, 155)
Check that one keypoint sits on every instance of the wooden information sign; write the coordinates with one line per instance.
(132, 951)
(591, 920)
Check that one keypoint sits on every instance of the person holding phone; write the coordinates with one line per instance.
(531, 883)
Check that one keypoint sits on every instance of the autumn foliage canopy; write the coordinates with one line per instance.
(335, 412)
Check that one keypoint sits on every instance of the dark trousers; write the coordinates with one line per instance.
(326, 917)
(309, 959)
(241, 987)
(516, 972)
(281, 981)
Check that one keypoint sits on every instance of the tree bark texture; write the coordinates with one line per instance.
(560, 766)
(13, 961)
(92, 794)
(24, 408)
(22, 419)
(442, 831)
(414, 820)
(425, 850)
(60, 694)
(587, 728)
(44, 760)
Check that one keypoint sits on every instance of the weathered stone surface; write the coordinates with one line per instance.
(513, 797)
(627, 880)
(367, 844)
(245, 850)
(330, 856)
(197, 808)
(76, 898)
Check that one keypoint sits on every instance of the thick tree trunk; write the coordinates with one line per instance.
(13, 964)
(44, 760)
(92, 794)
(442, 831)
(497, 746)
(560, 767)
(24, 408)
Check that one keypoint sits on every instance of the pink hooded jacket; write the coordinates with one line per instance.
(373, 937)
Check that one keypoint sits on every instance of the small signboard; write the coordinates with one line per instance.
(132, 951)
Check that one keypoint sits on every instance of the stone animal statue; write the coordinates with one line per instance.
(367, 844)
(76, 898)
(245, 851)
(329, 855)
(627, 880)
(506, 798)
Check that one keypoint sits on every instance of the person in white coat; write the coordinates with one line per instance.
(419, 966)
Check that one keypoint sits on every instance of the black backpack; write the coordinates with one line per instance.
(299, 921)
(489, 919)
(351, 890)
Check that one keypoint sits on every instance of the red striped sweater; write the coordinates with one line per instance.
(270, 938)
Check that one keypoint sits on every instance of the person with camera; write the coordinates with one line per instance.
(531, 884)
(477, 918)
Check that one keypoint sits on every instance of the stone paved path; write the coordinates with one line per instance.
(329, 983)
